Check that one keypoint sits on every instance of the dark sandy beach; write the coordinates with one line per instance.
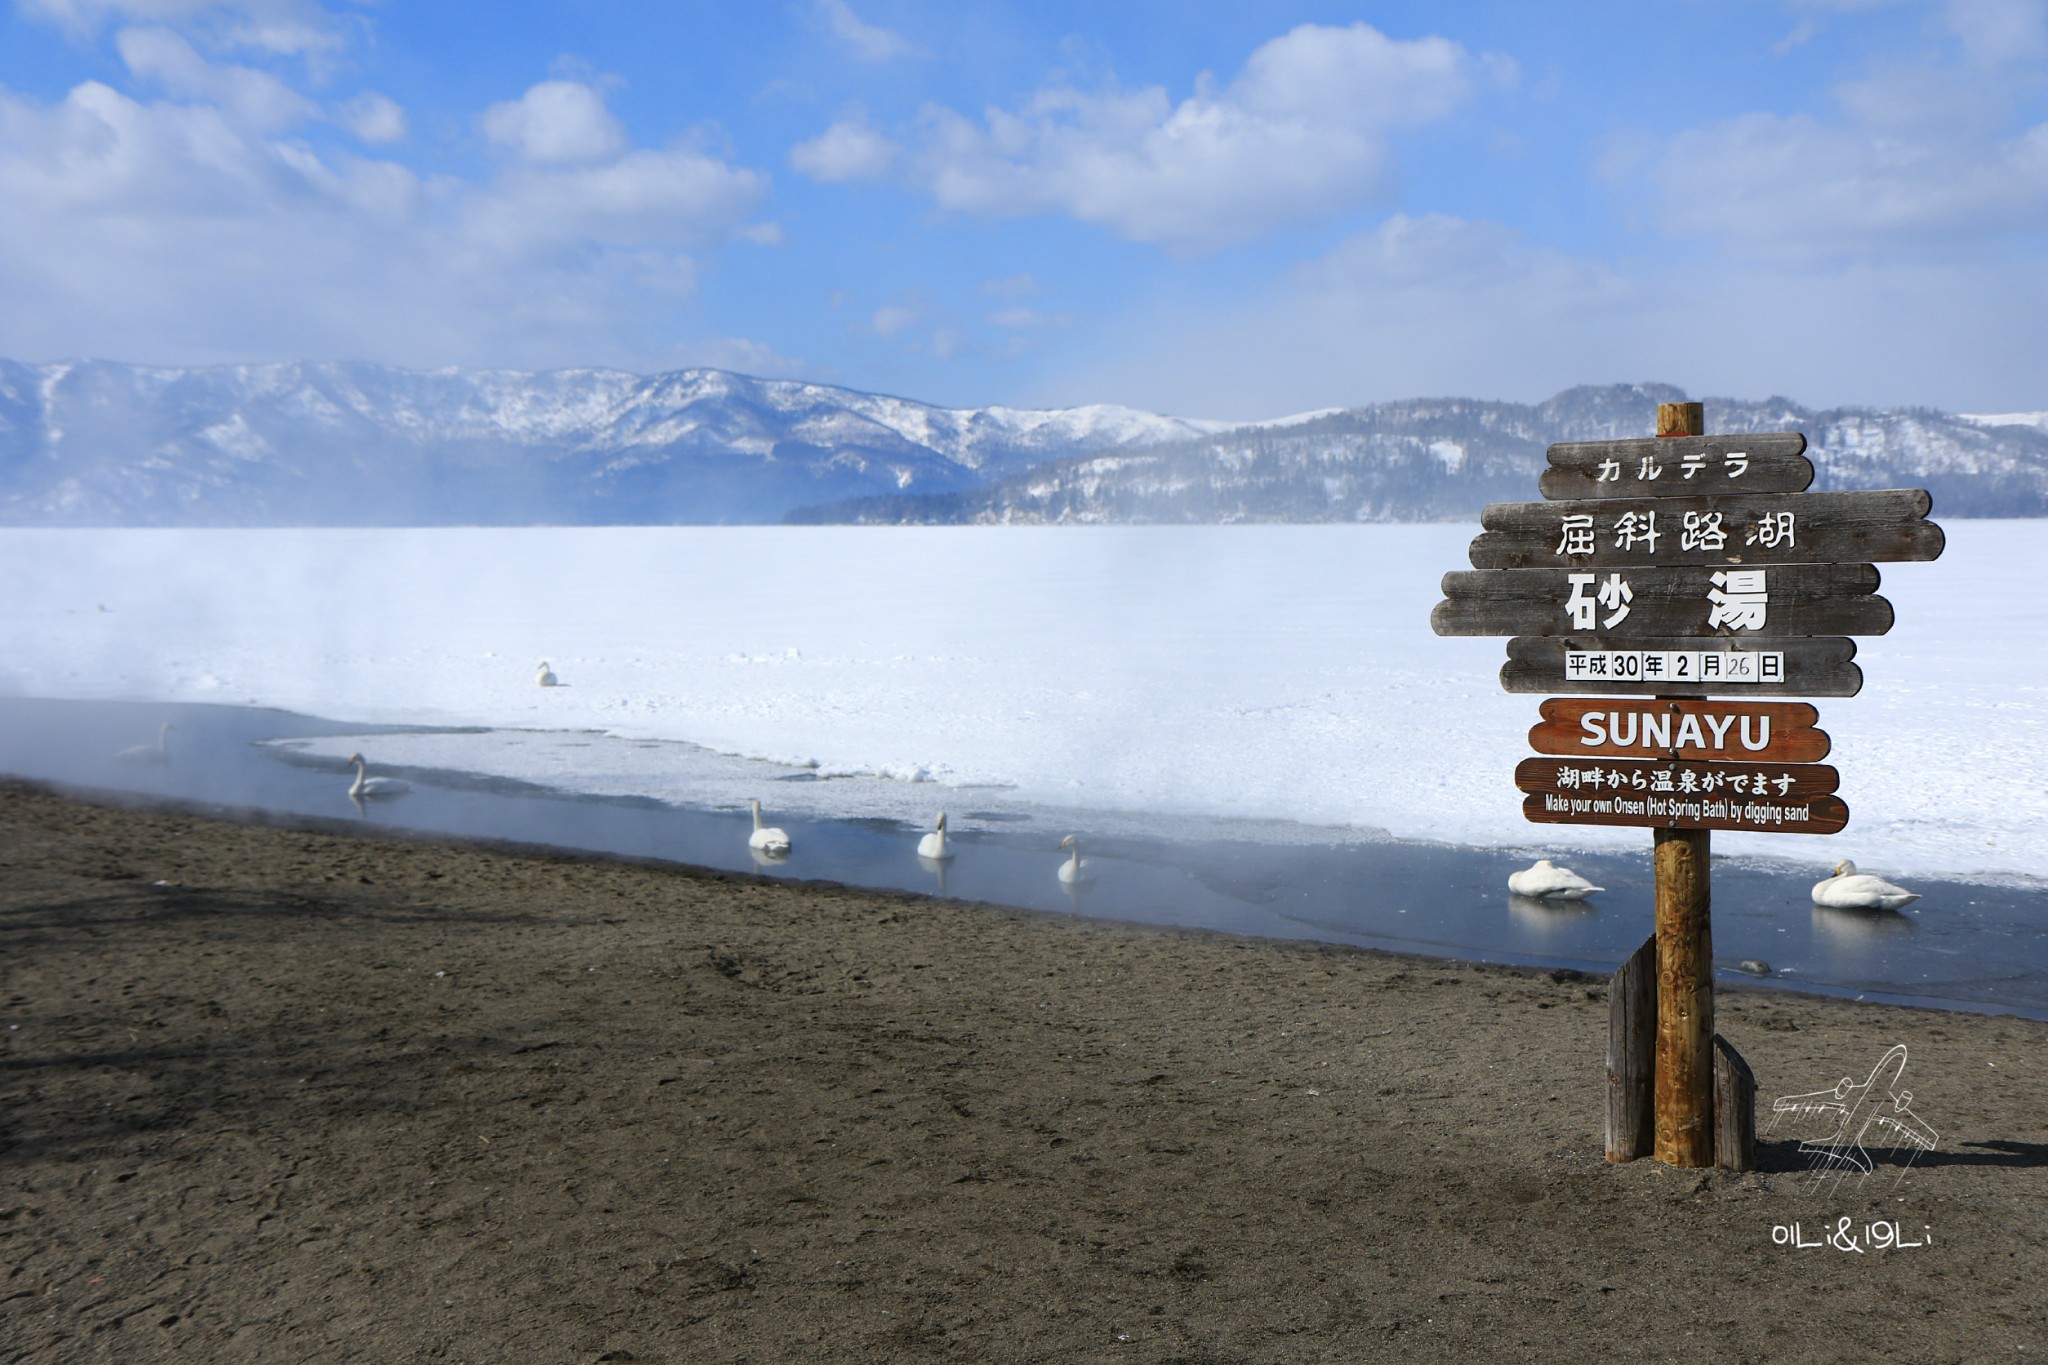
(278, 1095)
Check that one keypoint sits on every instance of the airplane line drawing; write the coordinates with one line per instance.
(1878, 1110)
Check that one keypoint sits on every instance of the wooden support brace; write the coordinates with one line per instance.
(1734, 1109)
(1631, 1054)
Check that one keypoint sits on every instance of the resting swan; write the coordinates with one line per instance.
(1849, 889)
(1073, 872)
(766, 839)
(366, 787)
(933, 845)
(1545, 882)
(546, 676)
(159, 752)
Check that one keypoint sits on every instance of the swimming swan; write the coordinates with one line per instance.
(370, 788)
(159, 752)
(1073, 872)
(933, 845)
(546, 676)
(766, 839)
(1544, 882)
(1849, 889)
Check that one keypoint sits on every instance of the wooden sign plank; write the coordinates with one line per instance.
(1679, 466)
(1797, 666)
(1742, 782)
(1789, 599)
(1748, 731)
(1653, 810)
(1885, 525)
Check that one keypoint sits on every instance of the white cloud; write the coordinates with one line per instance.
(255, 99)
(373, 118)
(891, 319)
(1436, 305)
(1796, 185)
(864, 40)
(282, 28)
(1997, 32)
(1300, 134)
(1025, 319)
(555, 122)
(848, 150)
(1010, 286)
(199, 228)
(1914, 156)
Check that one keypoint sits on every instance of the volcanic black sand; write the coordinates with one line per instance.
(272, 1095)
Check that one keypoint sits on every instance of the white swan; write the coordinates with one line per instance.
(546, 676)
(1073, 872)
(766, 839)
(933, 845)
(159, 752)
(366, 787)
(1849, 889)
(1544, 882)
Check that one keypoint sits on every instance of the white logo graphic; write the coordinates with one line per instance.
(1877, 1113)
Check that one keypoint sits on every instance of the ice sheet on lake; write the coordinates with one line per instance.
(1265, 673)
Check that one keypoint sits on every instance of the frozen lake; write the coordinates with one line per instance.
(1277, 686)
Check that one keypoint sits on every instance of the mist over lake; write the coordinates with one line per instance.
(1282, 674)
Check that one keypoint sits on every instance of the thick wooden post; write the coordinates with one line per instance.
(1685, 1000)
(1681, 419)
(1685, 954)
(1631, 1054)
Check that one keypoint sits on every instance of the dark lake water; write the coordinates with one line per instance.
(1963, 946)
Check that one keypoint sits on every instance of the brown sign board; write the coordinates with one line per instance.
(1779, 782)
(1884, 525)
(1746, 731)
(1796, 666)
(1679, 466)
(1774, 600)
(1679, 810)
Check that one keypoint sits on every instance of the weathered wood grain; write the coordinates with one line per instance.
(1803, 599)
(1679, 466)
(1734, 1109)
(1745, 732)
(1883, 526)
(1683, 418)
(1784, 783)
(1813, 666)
(1685, 999)
(1632, 1054)
(1652, 810)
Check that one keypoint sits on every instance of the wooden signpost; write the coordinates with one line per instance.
(1782, 732)
(1777, 666)
(1778, 599)
(1656, 574)
(1694, 528)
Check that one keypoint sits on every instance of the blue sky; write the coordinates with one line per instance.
(1218, 210)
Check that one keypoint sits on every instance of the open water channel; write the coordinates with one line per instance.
(1963, 946)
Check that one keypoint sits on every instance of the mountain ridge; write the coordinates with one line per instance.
(1445, 459)
(352, 443)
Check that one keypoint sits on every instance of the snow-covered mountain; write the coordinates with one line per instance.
(1444, 459)
(100, 443)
